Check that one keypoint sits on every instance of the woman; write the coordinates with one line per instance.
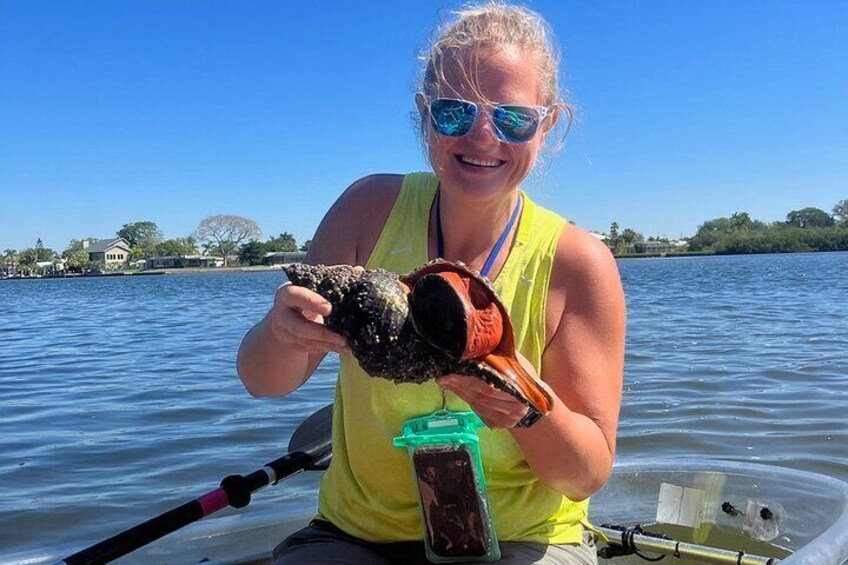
(488, 101)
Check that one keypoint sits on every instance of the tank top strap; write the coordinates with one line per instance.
(402, 245)
(524, 281)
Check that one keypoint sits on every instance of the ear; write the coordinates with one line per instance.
(551, 119)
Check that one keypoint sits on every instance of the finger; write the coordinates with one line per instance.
(291, 326)
(495, 407)
(313, 317)
(313, 337)
(308, 346)
(300, 329)
(302, 299)
(495, 421)
(508, 418)
(476, 389)
(496, 417)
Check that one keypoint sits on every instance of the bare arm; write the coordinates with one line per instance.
(280, 352)
(572, 448)
(283, 350)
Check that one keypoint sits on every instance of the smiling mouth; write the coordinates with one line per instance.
(484, 164)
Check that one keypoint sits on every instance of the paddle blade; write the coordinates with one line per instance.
(316, 429)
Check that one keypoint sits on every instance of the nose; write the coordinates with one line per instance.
(483, 131)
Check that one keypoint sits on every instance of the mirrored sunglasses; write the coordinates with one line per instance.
(513, 123)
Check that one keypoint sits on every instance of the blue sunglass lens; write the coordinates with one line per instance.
(453, 118)
(516, 124)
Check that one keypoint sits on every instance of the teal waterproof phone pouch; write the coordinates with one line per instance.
(448, 472)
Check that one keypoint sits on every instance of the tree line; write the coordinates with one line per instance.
(807, 229)
(229, 236)
(226, 235)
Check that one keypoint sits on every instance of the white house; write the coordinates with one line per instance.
(113, 252)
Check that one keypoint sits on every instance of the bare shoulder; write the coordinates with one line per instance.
(350, 229)
(584, 281)
(582, 259)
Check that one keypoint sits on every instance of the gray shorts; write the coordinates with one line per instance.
(322, 542)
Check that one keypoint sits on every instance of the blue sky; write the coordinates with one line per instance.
(119, 111)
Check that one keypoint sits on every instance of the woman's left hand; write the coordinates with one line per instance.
(495, 407)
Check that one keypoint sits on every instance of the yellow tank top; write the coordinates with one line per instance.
(369, 491)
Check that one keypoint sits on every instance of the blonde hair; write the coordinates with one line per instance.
(490, 24)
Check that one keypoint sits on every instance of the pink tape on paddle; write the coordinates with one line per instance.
(213, 501)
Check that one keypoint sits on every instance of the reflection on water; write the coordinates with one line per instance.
(120, 397)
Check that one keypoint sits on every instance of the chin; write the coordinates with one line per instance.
(477, 187)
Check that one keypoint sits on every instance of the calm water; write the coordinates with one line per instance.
(120, 398)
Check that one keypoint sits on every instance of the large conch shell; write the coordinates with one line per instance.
(440, 318)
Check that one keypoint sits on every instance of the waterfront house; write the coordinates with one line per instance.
(283, 257)
(51, 268)
(183, 261)
(658, 246)
(112, 252)
(9, 269)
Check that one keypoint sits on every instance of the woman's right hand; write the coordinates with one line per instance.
(297, 321)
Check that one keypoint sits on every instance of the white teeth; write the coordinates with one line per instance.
(478, 162)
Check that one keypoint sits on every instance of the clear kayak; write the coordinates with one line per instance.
(722, 508)
(708, 512)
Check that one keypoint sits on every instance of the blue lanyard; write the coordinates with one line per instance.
(490, 260)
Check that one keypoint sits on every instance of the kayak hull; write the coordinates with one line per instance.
(808, 516)
(796, 516)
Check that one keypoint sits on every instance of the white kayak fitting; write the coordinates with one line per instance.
(715, 506)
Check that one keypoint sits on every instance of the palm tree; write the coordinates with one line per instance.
(9, 261)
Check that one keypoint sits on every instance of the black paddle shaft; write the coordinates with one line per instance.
(138, 536)
(310, 448)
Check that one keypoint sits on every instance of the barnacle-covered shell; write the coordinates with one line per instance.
(441, 318)
(370, 310)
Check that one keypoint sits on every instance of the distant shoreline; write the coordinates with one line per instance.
(663, 255)
(181, 271)
(265, 268)
(207, 270)
(714, 254)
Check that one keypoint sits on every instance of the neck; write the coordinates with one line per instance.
(471, 230)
